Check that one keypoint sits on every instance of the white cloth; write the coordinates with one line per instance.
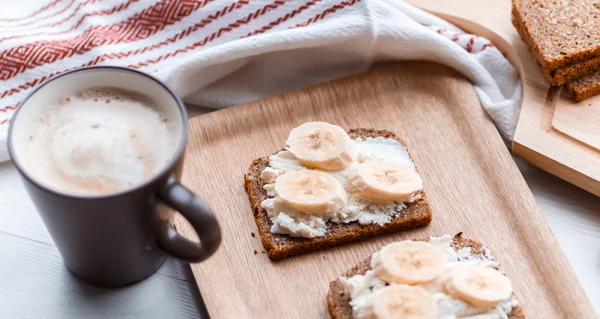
(207, 57)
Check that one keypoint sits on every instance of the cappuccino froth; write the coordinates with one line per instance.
(100, 141)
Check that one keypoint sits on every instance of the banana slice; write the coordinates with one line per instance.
(322, 145)
(403, 302)
(408, 262)
(311, 192)
(385, 180)
(480, 286)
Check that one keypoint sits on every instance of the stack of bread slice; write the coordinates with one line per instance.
(564, 40)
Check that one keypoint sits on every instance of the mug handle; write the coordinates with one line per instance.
(200, 217)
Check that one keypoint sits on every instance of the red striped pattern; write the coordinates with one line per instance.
(120, 55)
(24, 23)
(238, 23)
(327, 12)
(33, 14)
(284, 18)
(73, 28)
(214, 35)
(206, 21)
(140, 26)
(456, 37)
(206, 40)
(79, 6)
(14, 107)
(29, 85)
(469, 47)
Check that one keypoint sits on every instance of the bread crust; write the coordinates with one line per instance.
(585, 87)
(338, 299)
(561, 70)
(575, 72)
(559, 36)
(416, 214)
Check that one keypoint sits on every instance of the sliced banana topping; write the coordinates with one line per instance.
(480, 286)
(322, 145)
(311, 192)
(408, 262)
(385, 180)
(403, 302)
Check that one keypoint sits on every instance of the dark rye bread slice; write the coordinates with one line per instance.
(575, 72)
(567, 74)
(416, 214)
(585, 87)
(582, 80)
(561, 75)
(560, 33)
(338, 299)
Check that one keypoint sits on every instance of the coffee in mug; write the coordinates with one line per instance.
(100, 151)
(99, 141)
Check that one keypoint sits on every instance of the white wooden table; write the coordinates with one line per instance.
(34, 283)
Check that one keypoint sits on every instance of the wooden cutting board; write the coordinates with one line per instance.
(554, 133)
(472, 182)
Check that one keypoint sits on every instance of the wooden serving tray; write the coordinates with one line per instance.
(471, 180)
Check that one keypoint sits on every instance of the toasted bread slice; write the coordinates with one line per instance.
(338, 299)
(416, 214)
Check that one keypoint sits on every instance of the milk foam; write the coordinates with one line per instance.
(99, 141)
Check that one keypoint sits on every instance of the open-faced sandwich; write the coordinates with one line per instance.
(443, 277)
(329, 187)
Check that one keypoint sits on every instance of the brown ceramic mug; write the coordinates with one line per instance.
(122, 237)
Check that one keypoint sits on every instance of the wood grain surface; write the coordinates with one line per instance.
(473, 184)
(562, 150)
(579, 121)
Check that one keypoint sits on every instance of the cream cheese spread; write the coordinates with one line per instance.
(362, 287)
(289, 221)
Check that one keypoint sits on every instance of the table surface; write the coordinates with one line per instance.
(34, 283)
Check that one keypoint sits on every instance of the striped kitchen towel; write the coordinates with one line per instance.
(219, 53)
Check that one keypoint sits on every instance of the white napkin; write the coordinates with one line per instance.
(222, 53)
